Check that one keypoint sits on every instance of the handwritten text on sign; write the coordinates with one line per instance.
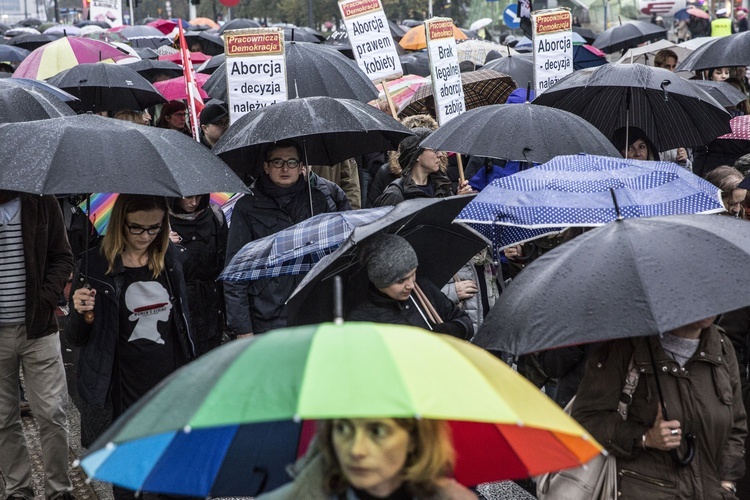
(447, 89)
(553, 47)
(256, 69)
(371, 39)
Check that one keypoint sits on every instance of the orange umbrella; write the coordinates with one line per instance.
(204, 20)
(415, 38)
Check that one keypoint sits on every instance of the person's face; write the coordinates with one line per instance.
(733, 202)
(176, 120)
(190, 203)
(669, 63)
(638, 150)
(720, 74)
(401, 289)
(146, 116)
(283, 175)
(136, 222)
(741, 72)
(372, 453)
(430, 160)
(214, 131)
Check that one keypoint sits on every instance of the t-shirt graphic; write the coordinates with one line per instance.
(148, 301)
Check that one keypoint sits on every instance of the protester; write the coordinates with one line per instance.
(140, 331)
(666, 59)
(281, 197)
(474, 287)
(345, 175)
(369, 458)
(741, 16)
(699, 378)
(728, 179)
(699, 27)
(174, 117)
(214, 120)
(200, 227)
(138, 117)
(36, 262)
(395, 294)
(639, 146)
(716, 74)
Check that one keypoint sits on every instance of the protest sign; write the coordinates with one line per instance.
(370, 36)
(109, 11)
(447, 89)
(256, 69)
(553, 47)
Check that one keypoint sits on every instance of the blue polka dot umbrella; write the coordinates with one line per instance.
(574, 191)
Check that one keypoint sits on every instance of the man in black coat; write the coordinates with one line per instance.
(281, 197)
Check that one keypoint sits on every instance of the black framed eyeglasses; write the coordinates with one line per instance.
(279, 163)
(138, 230)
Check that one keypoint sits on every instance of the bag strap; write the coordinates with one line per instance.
(626, 396)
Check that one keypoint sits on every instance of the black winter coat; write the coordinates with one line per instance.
(259, 306)
(97, 341)
(404, 188)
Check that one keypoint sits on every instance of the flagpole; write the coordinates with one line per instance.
(195, 102)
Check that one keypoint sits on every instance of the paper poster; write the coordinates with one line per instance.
(447, 89)
(553, 47)
(256, 69)
(109, 11)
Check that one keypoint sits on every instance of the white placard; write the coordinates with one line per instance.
(553, 47)
(256, 69)
(109, 11)
(447, 89)
(370, 36)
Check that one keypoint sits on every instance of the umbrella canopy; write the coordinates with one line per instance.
(30, 21)
(137, 31)
(302, 35)
(91, 154)
(327, 371)
(730, 50)
(586, 33)
(175, 88)
(20, 103)
(105, 36)
(670, 110)
(427, 223)
(586, 56)
(476, 51)
(176, 57)
(100, 24)
(312, 70)
(62, 54)
(23, 30)
(520, 69)
(149, 68)
(209, 67)
(574, 191)
(694, 11)
(63, 29)
(204, 20)
(238, 24)
(695, 43)
(481, 88)
(12, 54)
(519, 132)
(725, 94)
(416, 38)
(402, 89)
(107, 87)
(29, 41)
(163, 25)
(628, 35)
(415, 63)
(630, 278)
(330, 130)
(740, 128)
(297, 249)
(647, 53)
(39, 85)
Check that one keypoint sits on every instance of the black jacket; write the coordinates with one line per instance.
(379, 308)
(258, 306)
(98, 340)
(404, 188)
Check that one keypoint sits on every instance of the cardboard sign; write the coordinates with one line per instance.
(447, 89)
(109, 11)
(553, 47)
(370, 36)
(256, 69)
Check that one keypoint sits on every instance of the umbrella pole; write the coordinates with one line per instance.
(689, 437)
(88, 317)
(309, 177)
(338, 300)
(627, 121)
(460, 163)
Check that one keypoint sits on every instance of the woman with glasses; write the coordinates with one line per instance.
(134, 286)
(174, 117)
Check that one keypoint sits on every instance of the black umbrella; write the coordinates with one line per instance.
(520, 132)
(93, 154)
(44, 86)
(211, 44)
(628, 35)
(441, 247)
(585, 33)
(725, 51)
(149, 68)
(671, 111)
(238, 24)
(209, 67)
(20, 103)
(146, 53)
(107, 87)
(30, 22)
(29, 41)
(12, 54)
(520, 69)
(301, 35)
(339, 40)
(415, 63)
(725, 94)
(331, 130)
(102, 24)
(4, 28)
(312, 70)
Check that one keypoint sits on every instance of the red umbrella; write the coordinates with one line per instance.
(698, 13)
(174, 88)
(196, 57)
(163, 25)
(740, 128)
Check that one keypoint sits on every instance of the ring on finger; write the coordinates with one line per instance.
(674, 432)
(83, 302)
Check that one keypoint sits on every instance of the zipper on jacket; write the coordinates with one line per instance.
(646, 479)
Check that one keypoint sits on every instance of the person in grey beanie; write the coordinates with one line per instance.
(395, 294)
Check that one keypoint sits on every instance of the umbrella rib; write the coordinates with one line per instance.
(636, 263)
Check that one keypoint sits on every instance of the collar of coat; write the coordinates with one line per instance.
(710, 349)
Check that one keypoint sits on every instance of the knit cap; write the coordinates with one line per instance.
(388, 258)
(409, 149)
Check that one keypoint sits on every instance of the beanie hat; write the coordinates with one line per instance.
(213, 113)
(173, 107)
(388, 258)
(409, 149)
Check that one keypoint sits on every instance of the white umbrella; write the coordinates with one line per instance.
(480, 23)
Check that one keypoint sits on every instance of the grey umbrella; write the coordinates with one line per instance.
(724, 93)
(21, 103)
(520, 132)
(312, 70)
(725, 51)
(238, 24)
(520, 69)
(628, 35)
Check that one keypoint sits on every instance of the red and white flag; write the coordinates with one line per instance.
(195, 102)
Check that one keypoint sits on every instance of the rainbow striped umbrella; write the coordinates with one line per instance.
(212, 426)
(62, 54)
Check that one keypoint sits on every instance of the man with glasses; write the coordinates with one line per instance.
(279, 198)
